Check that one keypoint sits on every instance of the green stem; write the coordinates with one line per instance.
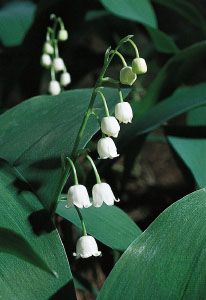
(104, 102)
(54, 27)
(120, 56)
(56, 50)
(97, 117)
(73, 170)
(135, 47)
(61, 24)
(84, 230)
(121, 96)
(53, 77)
(66, 171)
(94, 168)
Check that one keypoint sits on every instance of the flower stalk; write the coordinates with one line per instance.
(94, 168)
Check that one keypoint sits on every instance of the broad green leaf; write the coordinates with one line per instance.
(181, 101)
(34, 135)
(185, 9)
(175, 65)
(167, 260)
(14, 244)
(192, 150)
(15, 20)
(162, 42)
(140, 11)
(26, 258)
(108, 224)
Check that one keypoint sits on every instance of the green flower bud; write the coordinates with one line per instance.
(139, 66)
(63, 35)
(127, 76)
(48, 48)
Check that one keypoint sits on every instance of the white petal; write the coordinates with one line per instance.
(58, 64)
(79, 196)
(54, 87)
(102, 192)
(86, 247)
(106, 148)
(110, 126)
(123, 112)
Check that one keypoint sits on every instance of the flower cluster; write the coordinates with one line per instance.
(50, 58)
(78, 195)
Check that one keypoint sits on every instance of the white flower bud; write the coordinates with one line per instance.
(110, 126)
(48, 49)
(65, 79)
(58, 64)
(78, 195)
(127, 76)
(62, 35)
(86, 247)
(106, 148)
(54, 87)
(102, 192)
(46, 60)
(123, 112)
(139, 66)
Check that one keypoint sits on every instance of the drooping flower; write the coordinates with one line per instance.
(46, 60)
(78, 195)
(58, 64)
(65, 79)
(127, 76)
(106, 148)
(62, 35)
(123, 112)
(102, 192)
(54, 87)
(48, 48)
(110, 126)
(86, 247)
(139, 66)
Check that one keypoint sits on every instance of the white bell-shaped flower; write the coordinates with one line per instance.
(65, 79)
(139, 66)
(48, 48)
(78, 195)
(46, 60)
(106, 148)
(102, 192)
(123, 112)
(86, 247)
(54, 87)
(58, 64)
(110, 126)
(127, 76)
(62, 35)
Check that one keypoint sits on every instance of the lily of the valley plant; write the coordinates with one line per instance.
(78, 196)
(50, 58)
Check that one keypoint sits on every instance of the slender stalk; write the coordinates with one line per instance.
(104, 103)
(94, 168)
(120, 56)
(121, 96)
(56, 50)
(53, 76)
(73, 170)
(134, 46)
(66, 171)
(61, 24)
(84, 230)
